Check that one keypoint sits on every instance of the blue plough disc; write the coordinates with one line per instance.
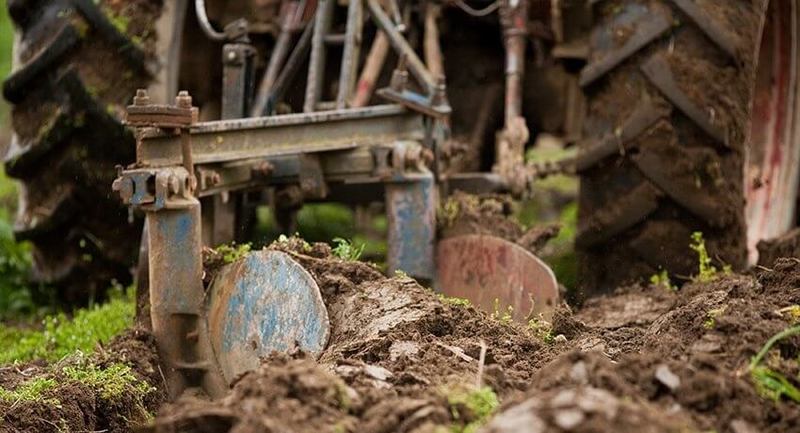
(263, 303)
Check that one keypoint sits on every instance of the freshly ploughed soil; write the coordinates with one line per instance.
(640, 359)
(400, 359)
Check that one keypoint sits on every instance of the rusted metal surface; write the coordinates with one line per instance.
(263, 303)
(352, 53)
(316, 63)
(238, 60)
(177, 298)
(402, 46)
(372, 70)
(411, 212)
(291, 134)
(495, 274)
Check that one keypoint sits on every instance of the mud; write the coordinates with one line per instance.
(639, 359)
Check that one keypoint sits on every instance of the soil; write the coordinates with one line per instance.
(73, 406)
(643, 358)
(639, 359)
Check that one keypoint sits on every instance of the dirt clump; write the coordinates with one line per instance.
(490, 214)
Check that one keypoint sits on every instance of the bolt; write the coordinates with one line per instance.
(231, 55)
(173, 184)
(399, 76)
(183, 100)
(439, 92)
(262, 169)
(142, 98)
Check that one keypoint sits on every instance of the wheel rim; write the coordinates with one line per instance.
(773, 165)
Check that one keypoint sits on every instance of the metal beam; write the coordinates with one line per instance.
(293, 134)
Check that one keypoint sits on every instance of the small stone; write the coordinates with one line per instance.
(579, 373)
(377, 372)
(741, 426)
(667, 378)
(560, 338)
(568, 419)
(564, 398)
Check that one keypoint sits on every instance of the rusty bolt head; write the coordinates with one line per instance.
(142, 98)
(173, 184)
(183, 100)
(263, 169)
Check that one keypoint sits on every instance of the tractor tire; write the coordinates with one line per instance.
(78, 62)
(670, 87)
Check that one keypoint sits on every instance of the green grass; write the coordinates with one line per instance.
(769, 383)
(471, 408)
(61, 336)
(347, 250)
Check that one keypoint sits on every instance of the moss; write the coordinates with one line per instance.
(232, 253)
(111, 382)
(34, 390)
(62, 336)
(455, 301)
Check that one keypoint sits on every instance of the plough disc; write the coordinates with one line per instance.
(266, 302)
(497, 276)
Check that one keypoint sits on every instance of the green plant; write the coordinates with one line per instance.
(471, 407)
(506, 316)
(110, 382)
(542, 329)
(452, 300)
(711, 317)
(62, 336)
(232, 253)
(662, 279)
(793, 311)
(706, 271)
(32, 390)
(346, 250)
(770, 383)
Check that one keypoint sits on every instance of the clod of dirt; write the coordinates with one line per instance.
(787, 245)
(490, 214)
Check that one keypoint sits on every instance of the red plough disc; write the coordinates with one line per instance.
(495, 274)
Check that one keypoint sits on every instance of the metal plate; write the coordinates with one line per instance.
(495, 274)
(266, 302)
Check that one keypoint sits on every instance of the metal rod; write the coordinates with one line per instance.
(279, 54)
(514, 29)
(433, 51)
(402, 46)
(205, 24)
(289, 71)
(372, 69)
(316, 65)
(352, 52)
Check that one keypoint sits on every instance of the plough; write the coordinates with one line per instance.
(341, 150)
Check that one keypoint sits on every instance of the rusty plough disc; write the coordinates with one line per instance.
(497, 276)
